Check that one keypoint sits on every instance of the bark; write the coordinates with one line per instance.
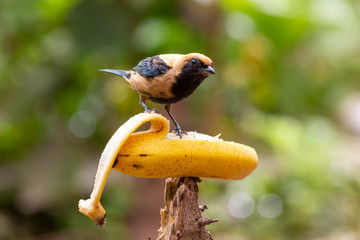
(181, 217)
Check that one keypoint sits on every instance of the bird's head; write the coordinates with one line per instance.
(196, 63)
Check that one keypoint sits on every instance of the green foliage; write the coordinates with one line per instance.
(287, 84)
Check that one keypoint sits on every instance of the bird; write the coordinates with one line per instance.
(167, 79)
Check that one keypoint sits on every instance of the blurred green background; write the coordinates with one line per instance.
(287, 84)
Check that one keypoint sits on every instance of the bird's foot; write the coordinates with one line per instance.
(148, 110)
(179, 132)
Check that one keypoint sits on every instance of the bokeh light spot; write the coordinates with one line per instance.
(240, 26)
(241, 205)
(82, 124)
(270, 205)
(335, 12)
(151, 34)
(274, 7)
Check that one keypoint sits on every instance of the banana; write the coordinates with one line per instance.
(156, 153)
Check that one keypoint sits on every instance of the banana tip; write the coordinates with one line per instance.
(97, 214)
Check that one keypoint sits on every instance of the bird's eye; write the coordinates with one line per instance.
(194, 61)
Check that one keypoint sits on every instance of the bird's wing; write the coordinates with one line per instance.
(152, 67)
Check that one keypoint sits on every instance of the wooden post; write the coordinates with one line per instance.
(181, 217)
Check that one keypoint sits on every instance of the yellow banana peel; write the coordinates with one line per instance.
(156, 153)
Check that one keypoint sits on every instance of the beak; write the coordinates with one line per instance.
(209, 69)
(113, 71)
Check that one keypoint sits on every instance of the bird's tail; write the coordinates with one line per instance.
(121, 73)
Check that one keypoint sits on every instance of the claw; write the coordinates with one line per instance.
(179, 132)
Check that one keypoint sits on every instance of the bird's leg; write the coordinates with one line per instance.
(142, 103)
(177, 127)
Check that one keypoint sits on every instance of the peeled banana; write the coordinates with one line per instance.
(156, 153)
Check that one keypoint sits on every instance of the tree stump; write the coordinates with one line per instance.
(181, 217)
